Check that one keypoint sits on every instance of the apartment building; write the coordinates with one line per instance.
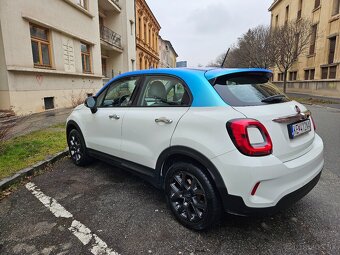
(317, 71)
(167, 54)
(147, 45)
(52, 54)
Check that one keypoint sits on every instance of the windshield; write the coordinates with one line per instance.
(248, 89)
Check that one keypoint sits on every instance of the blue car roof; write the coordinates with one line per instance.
(204, 95)
(208, 72)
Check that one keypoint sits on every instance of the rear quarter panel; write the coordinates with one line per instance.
(204, 129)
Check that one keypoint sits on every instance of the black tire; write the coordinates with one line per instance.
(77, 148)
(191, 196)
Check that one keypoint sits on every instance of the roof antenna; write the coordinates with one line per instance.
(225, 58)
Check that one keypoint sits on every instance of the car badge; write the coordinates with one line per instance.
(297, 109)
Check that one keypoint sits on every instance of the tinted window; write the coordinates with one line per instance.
(163, 91)
(248, 89)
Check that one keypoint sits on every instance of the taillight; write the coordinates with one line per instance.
(313, 123)
(258, 144)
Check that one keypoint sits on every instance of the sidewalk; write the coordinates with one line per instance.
(39, 121)
(336, 101)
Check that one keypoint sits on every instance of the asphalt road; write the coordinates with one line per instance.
(328, 127)
(130, 216)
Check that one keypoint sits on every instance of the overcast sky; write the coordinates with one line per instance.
(200, 30)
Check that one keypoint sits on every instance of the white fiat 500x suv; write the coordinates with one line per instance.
(213, 139)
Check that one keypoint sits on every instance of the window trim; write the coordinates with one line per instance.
(85, 6)
(88, 53)
(133, 95)
(41, 41)
(142, 87)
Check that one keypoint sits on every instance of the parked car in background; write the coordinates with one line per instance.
(213, 139)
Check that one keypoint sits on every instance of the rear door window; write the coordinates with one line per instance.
(248, 89)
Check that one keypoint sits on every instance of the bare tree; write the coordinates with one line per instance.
(253, 49)
(289, 42)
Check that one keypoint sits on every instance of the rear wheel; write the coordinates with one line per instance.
(77, 148)
(191, 196)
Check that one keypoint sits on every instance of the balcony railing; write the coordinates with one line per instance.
(107, 35)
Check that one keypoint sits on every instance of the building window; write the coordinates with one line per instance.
(49, 103)
(293, 76)
(316, 4)
(145, 38)
(309, 74)
(280, 76)
(328, 72)
(332, 72)
(140, 28)
(41, 46)
(82, 3)
(277, 21)
(104, 67)
(150, 42)
(332, 46)
(86, 58)
(324, 72)
(336, 5)
(287, 14)
(299, 14)
(313, 39)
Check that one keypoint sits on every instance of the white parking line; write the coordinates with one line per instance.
(83, 233)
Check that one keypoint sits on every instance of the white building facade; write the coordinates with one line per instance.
(167, 54)
(52, 53)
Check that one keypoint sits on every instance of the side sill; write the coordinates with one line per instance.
(148, 174)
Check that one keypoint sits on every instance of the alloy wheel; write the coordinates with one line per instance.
(187, 196)
(75, 148)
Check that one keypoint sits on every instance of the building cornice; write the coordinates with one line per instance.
(50, 71)
(148, 52)
(147, 8)
(274, 5)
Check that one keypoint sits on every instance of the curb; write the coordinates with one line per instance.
(29, 171)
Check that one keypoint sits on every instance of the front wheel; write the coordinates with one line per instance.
(77, 148)
(191, 196)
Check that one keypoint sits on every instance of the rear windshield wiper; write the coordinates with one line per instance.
(273, 98)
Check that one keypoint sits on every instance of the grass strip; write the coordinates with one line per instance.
(24, 151)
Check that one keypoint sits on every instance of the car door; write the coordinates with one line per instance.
(104, 126)
(149, 124)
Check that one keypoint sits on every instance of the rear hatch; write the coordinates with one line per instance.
(252, 94)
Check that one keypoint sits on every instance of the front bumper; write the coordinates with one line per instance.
(281, 183)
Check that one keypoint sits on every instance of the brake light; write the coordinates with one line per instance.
(313, 123)
(238, 132)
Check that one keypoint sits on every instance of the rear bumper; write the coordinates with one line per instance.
(237, 206)
(281, 183)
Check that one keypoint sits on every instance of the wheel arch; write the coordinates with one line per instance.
(175, 153)
(71, 124)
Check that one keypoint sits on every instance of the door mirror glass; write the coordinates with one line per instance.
(91, 103)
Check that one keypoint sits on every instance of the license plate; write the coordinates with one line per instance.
(299, 128)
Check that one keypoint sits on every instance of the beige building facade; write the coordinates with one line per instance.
(147, 32)
(167, 54)
(51, 54)
(317, 71)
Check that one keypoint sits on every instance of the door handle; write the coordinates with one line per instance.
(114, 116)
(163, 120)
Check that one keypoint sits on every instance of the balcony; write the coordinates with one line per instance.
(109, 5)
(111, 39)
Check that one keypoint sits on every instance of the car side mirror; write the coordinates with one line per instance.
(91, 102)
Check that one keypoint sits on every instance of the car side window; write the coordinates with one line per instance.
(163, 91)
(119, 93)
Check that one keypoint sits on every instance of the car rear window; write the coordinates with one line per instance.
(248, 89)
